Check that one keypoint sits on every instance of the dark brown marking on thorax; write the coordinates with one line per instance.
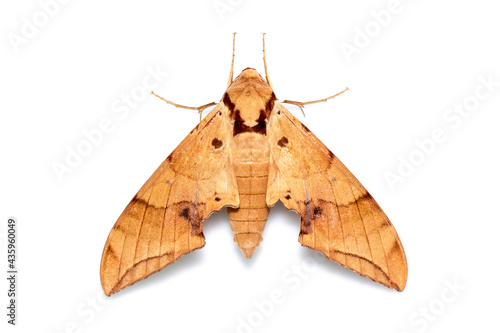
(270, 104)
(227, 102)
(240, 127)
(250, 100)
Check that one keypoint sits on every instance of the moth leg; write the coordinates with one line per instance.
(302, 104)
(198, 108)
(264, 57)
(232, 63)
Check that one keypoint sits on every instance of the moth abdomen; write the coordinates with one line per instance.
(248, 222)
(251, 168)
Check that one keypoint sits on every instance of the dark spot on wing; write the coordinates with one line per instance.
(217, 143)
(288, 197)
(196, 228)
(118, 226)
(282, 142)
(185, 213)
(217, 199)
(385, 224)
(318, 211)
(169, 158)
(305, 227)
(305, 128)
(332, 156)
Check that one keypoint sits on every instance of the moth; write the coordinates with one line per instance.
(246, 154)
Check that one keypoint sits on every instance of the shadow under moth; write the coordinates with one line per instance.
(246, 154)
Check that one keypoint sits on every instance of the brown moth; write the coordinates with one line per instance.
(246, 154)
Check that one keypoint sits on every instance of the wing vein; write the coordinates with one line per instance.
(137, 240)
(340, 220)
(363, 223)
(164, 219)
(381, 241)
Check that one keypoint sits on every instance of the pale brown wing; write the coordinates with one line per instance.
(339, 218)
(164, 220)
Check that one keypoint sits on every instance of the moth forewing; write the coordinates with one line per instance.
(164, 220)
(339, 218)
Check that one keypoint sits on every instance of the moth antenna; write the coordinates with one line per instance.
(197, 108)
(264, 57)
(232, 63)
(302, 104)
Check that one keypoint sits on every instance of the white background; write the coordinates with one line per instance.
(66, 78)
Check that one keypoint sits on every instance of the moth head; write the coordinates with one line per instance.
(250, 74)
(249, 100)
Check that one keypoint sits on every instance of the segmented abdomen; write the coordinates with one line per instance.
(250, 154)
